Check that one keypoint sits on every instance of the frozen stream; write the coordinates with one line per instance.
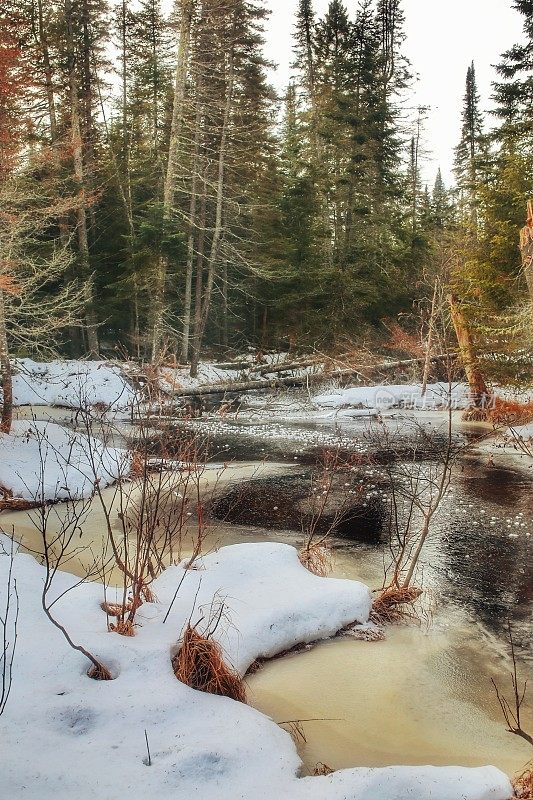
(424, 695)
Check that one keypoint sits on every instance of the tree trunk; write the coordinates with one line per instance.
(169, 188)
(429, 344)
(195, 356)
(476, 381)
(526, 249)
(219, 228)
(5, 367)
(190, 239)
(77, 155)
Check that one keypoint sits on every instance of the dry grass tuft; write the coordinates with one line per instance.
(200, 665)
(317, 559)
(394, 605)
(148, 595)
(99, 673)
(137, 464)
(523, 784)
(322, 769)
(123, 626)
(501, 412)
(508, 412)
(474, 414)
(115, 609)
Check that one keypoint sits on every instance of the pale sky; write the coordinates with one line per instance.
(443, 37)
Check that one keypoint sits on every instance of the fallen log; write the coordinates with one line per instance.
(276, 369)
(363, 373)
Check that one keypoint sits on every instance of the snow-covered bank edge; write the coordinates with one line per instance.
(42, 461)
(201, 745)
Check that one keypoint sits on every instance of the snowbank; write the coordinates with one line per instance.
(42, 460)
(383, 397)
(64, 735)
(524, 432)
(71, 384)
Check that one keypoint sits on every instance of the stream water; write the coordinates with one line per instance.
(424, 694)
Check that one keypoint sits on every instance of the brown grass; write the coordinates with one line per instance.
(99, 673)
(402, 340)
(523, 784)
(200, 665)
(123, 626)
(394, 605)
(322, 769)
(508, 412)
(137, 464)
(115, 609)
(317, 559)
(501, 412)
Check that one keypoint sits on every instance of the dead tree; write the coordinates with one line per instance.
(526, 249)
(467, 350)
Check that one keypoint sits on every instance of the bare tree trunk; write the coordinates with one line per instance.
(526, 249)
(225, 336)
(190, 239)
(77, 154)
(476, 381)
(429, 344)
(219, 228)
(170, 177)
(5, 367)
(40, 33)
(195, 356)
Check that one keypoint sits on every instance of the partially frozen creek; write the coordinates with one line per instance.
(424, 694)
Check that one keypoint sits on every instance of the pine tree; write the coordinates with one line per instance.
(441, 206)
(470, 153)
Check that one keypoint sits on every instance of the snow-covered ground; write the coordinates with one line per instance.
(72, 384)
(45, 461)
(383, 397)
(64, 735)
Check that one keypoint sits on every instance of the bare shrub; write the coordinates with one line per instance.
(8, 627)
(329, 498)
(511, 710)
(60, 529)
(155, 503)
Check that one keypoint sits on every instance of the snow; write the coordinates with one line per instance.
(383, 397)
(42, 460)
(72, 384)
(524, 432)
(64, 735)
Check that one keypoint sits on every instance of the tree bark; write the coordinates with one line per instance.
(429, 343)
(5, 367)
(526, 249)
(169, 187)
(79, 174)
(219, 228)
(190, 238)
(476, 381)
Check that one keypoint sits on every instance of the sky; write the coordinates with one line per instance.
(443, 37)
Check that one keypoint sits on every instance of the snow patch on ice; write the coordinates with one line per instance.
(383, 397)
